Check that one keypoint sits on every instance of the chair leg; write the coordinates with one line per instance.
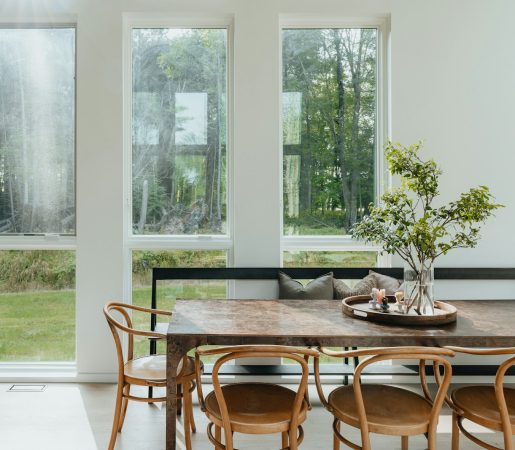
(218, 435)
(192, 416)
(455, 445)
(187, 416)
(284, 439)
(294, 445)
(404, 442)
(431, 440)
(336, 439)
(179, 399)
(125, 401)
(116, 420)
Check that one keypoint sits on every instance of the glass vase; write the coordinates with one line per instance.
(418, 288)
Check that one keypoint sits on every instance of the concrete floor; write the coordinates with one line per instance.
(79, 417)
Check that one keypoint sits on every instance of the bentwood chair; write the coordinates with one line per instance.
(255, 408)
(384, 409)
(490, 406)
(148, 371)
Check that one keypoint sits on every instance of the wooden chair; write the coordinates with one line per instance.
(386, 409)
(255, 408)
(149, 371)
(490, 406)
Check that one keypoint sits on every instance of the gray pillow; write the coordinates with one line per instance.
(390, 284)
(364, 287)
(320, 288)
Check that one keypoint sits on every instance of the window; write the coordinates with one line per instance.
(329, 128)
(37, 194)
(170, 290)
(37, 304)
(37, 131)
(179, 144)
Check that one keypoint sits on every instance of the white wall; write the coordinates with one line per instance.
(452, 84)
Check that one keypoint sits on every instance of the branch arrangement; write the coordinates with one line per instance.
(407, 223)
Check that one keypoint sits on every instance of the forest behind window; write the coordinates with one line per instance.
(329, 128)
(37, 130)
(179, 176)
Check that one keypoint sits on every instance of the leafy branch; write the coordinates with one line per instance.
(408, 224)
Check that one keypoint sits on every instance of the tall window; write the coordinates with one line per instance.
(329, 128)
(37, 193)
(179, 175)
(37, 130)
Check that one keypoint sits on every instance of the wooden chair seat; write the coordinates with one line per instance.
(256, 408)
(479, 404)
(153, 368)
(390, 410)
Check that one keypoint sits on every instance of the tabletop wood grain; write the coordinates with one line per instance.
(312, 322)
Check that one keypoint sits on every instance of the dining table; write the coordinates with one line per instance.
(480, 323)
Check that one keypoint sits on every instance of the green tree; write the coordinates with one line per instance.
(335, 72)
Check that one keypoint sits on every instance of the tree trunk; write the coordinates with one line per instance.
(217, 225)
(25, 157)
(143, 212)
(340, 131)
(305, 164)
(356, 76)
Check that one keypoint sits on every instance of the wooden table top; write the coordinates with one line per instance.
(481, 323)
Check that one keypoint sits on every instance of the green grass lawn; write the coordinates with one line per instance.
(37, 326)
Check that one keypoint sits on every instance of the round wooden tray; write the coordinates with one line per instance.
(358, 307)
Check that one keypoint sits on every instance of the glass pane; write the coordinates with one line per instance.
(330, 259)
(168, 291)
(37, 305)
(37, 130)
(329, 128)
(179, 175)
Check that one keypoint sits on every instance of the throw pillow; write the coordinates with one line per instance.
(390, 284)
(364, 287)
(320, 288)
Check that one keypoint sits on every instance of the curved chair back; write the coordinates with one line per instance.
(374, 355)
(501, 402)
(298, 355)
(125, 326)
(507, 428)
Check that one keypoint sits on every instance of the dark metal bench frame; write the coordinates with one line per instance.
(271, 273)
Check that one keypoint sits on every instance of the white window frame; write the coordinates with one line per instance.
(382, 177)
(172, 242)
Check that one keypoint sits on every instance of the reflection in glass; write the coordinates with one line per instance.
(179, 168)
(329, 128)
(191, 118)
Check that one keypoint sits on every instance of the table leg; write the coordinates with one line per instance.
(174, 353)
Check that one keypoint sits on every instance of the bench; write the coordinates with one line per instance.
(271, 273)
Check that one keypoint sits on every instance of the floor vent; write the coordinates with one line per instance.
(27, 388)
